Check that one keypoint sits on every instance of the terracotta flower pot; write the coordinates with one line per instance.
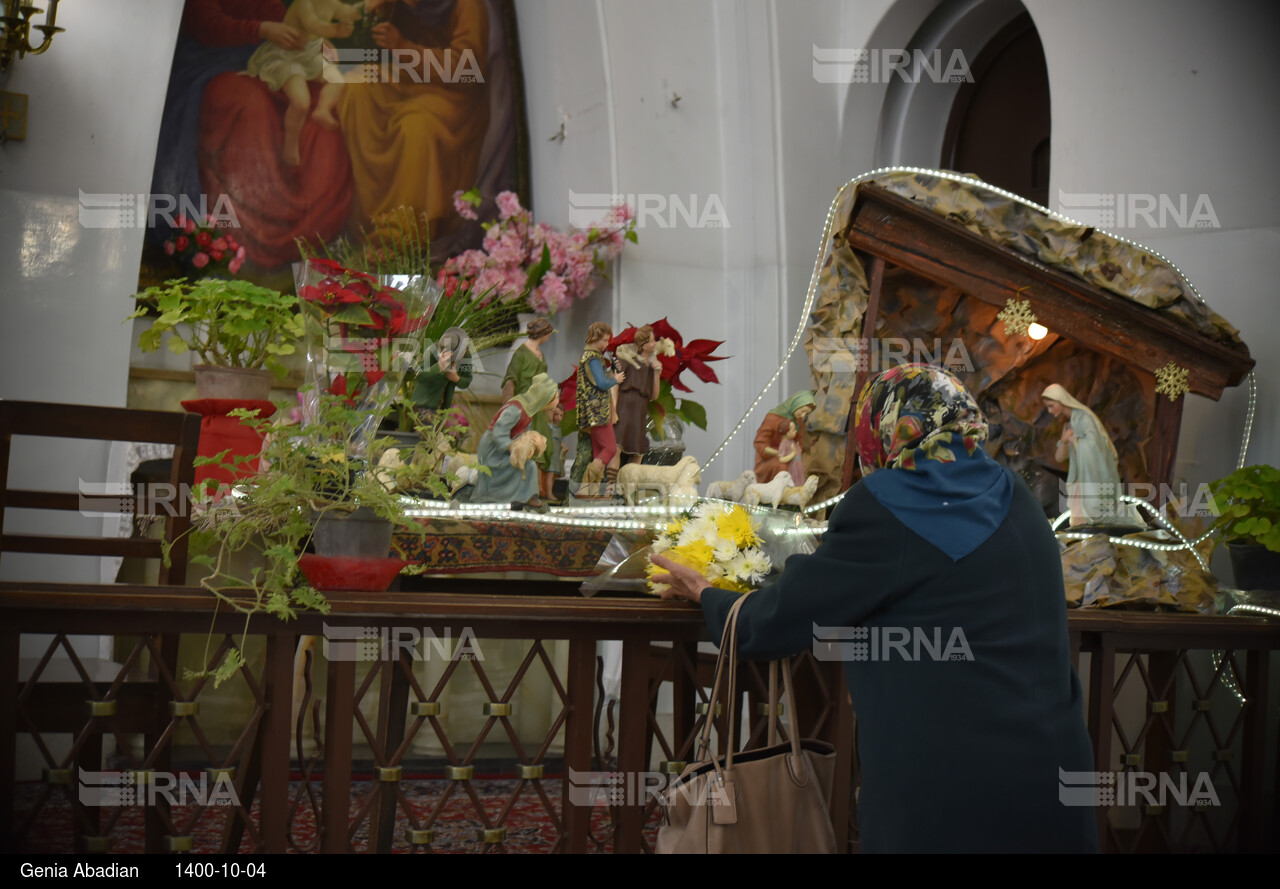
(214, 381)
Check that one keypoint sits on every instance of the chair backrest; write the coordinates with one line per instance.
(103, 424)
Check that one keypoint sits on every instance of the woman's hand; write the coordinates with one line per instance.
(1069, 436)
(682, 581)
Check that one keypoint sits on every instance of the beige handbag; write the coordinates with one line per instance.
(773, 799)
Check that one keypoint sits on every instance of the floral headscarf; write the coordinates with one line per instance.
(911, 412)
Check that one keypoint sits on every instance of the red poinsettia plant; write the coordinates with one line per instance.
(357, 326)
(676, 356)
(204, 246)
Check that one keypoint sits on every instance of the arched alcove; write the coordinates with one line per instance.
(957, 122)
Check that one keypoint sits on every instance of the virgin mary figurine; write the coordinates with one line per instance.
(1093, 474)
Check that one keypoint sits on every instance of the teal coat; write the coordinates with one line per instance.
(956, 755)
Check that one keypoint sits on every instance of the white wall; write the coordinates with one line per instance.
(95, 101)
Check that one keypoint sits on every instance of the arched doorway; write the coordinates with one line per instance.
(995, 123)
(999, 123)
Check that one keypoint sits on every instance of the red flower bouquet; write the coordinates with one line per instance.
(203, 246)
(359, 330)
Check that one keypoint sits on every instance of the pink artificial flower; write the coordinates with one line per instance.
(168, 248)
(508, 205)
(200, 260)
(489, 283)
(217, 255)
(553, 291)
(464, 208)
(538, 302)
(620, 214)
(187, 225)
(219, 244)
(510, 250)
(240, 253)
(234, 265)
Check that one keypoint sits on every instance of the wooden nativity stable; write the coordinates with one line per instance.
(945, 268)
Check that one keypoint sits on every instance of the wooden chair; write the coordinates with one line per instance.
(87, 697)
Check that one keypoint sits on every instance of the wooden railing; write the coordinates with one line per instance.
(1195, 718)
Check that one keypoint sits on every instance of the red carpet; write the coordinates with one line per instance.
(529, 826)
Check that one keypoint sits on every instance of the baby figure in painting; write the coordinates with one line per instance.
(292, 70)
(789, 451)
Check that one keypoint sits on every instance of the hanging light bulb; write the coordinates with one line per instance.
(1037, 331)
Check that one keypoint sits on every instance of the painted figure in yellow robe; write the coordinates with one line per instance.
(415, 135)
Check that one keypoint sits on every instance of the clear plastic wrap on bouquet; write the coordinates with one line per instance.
(363, 333)
(781, 534)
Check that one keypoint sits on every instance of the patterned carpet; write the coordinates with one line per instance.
(438, 804)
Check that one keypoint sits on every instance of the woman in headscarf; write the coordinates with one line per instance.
(961, 739)
(1093, 473)
(770, 435)
(506, 482)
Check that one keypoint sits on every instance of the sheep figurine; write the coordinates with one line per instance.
(526, 446)
(731, 490)
(769, 492)
(678, 483)
(800, 495)
(463, 468)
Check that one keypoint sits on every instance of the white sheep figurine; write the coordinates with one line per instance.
(800, 495)
(678, 483)
(770, 492)
(731, 490)
(463, 468)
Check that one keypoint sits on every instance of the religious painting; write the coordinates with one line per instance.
(318, 119)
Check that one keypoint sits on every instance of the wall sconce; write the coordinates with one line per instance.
(1037, 331)
(15, 36)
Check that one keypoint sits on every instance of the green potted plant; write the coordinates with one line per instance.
(1247, 508)
(253, 540)
(238, 330)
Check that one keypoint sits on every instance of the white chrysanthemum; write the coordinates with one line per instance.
(716, 570)
(723, 549)
(737, 568)
(662, 544)
(757, 564)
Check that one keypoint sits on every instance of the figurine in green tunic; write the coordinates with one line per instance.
(446, 371)
(526, 363)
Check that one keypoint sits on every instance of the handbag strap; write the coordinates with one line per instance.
(726, 658)
(773, 703)
(726, 675)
